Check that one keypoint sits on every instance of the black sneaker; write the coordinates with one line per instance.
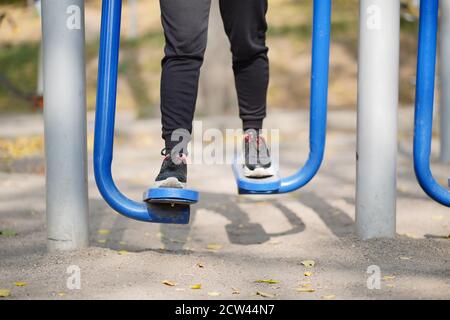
(173, 173)
(257, 156)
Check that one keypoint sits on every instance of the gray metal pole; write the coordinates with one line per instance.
(445, 80)
(65, 124)
(378, 78)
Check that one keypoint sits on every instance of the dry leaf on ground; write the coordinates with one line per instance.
(214, 246)
(307, 288)
(8, 233)
(265, 294)
(196, 286)
(4, 293)
(405, 258)
(269, 281)
(169, 283)
(20, 284)
(309, 263)
(103, 232)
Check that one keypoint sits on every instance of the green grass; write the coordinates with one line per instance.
(18, 64)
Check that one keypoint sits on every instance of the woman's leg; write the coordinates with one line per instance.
(246, 27)
(185, 24)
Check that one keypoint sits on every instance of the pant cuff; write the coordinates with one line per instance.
(252, 124)
(180, 146)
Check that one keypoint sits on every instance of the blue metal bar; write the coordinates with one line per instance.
(104, 127)
(423, 119)
(319, 98)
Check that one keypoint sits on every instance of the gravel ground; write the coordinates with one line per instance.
(232, 241)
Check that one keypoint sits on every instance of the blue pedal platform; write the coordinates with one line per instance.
(169, 213)
(255, 185)
(172, 196)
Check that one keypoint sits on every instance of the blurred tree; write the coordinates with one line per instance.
(410, 9)
(133, 19)
(15, 2)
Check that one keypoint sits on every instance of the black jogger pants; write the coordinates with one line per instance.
(185, 24)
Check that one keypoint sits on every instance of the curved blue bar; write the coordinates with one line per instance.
(104, 126)
(319, 98)
(423, 119)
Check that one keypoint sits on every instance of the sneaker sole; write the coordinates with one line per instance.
(258, 172)
(171, 182)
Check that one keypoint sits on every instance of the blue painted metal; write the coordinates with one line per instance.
(171, 195)
(104, 129)
(423, 119)
(318, 108)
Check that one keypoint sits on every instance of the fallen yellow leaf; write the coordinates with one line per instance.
(213, 294)
(307, 287)
(390, 285)
(61, 294)
(412, 235)
(196, 286)
(329, 297)
(122, 243)
(104, 232)
(8, 233)
(265, 294)
(388, 278)
(308, 263)
(214, 246)
(4, 293)
(269, 281)
(405, 258)
(101, 241)
(122, 252)
(308, 274)
(20, 284)
(169, 283)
